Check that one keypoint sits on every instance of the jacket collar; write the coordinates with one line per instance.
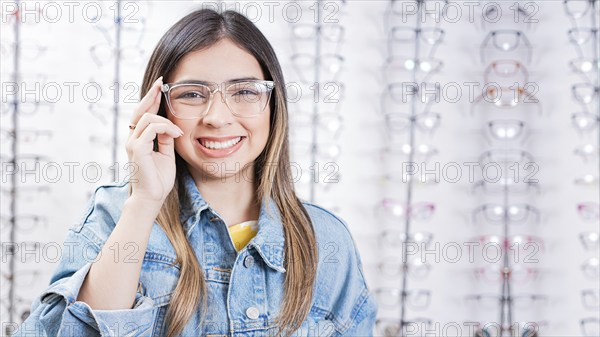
(268, 241)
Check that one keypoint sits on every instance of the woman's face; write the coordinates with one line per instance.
(207, 142)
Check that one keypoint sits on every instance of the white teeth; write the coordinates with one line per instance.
(220, 145)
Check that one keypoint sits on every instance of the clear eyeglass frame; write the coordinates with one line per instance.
(167, 87)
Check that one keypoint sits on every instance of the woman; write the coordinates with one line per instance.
(158, 255)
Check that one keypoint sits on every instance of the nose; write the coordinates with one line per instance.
(218, 114)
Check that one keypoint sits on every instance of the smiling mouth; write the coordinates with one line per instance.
(219, 145)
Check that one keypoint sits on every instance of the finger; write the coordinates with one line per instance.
(166, 144)
(147, 119)
(147, 101)
(150, 132)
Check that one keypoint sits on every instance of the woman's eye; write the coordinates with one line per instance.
(246, 92)
(190, 95)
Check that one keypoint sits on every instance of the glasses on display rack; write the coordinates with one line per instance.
(586, 67)
(28, 50)
(323, 151)
(589, 240)
(326, 97)
(330, 123)
(521, 301)
(577, 9)
(585, 93)
(521, 11)
(497, 273)
(330, 66)
(590, 326)
(391, 298)
(24, 222)
(589, 179)
(331, 34)
(507, 98)
(393, 238)
(590, 298)
(392, 327)
(419, 152)
(26, 135)
(103, 54)
(408, 92)
(506, 157)
(588, 211)
(506, 73)
(193, 99)
(506, 130)
(399, 123)
(585, 121)
(420, 211)
(27, 108)
(399, 37)
(591, 268)
(389, 179)
(506, 40)
(396, 66)
(413, 12)
(394, 267)
(506, 185)
(515, 214)
(515, 329)
(587, 152)
(528, 243)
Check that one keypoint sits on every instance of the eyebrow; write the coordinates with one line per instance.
(192, 81)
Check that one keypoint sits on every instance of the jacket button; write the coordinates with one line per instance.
(252, 313)
(248, 261)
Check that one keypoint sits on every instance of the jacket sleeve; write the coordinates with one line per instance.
(55, 312)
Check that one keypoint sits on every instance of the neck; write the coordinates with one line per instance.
(233, 197)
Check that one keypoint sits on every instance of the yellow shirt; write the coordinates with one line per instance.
(242, 233)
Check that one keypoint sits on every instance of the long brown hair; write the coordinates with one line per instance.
(202, 29)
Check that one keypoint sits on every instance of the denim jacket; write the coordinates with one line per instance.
(245, 288)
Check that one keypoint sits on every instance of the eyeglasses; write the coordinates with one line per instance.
(506, 130)
(514, 213)
(511, 242)
(423, 67)
(585, 66)
(587, 180)
(506, 40)
(491, 301)
(506, 184)
(419, 151)
(398, 122)
(585, 93)
(590, 326)
(395, 238)
(497, 273)
(588, 211)
(417, 211)
(506, 69)
(587, 151)
(400, 36)
(520, 329)
(332, 34)
(193, 100)
(590, 298)
(394, 267)
(506, 157)
(392, 297)
(25, 135)
(591, 268)
(28, 50)
(585, 121)
(330, 65)
(577, 9)
(589, 240)
(506, 97)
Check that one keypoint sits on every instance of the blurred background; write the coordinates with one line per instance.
(459, 140)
